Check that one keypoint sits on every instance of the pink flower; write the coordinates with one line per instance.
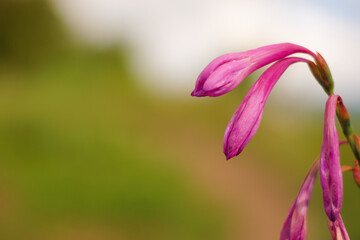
(338, 230)
(226, 72)
(330, 169)
(246, 119)
(294, 227)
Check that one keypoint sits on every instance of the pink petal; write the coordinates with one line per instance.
(224, 73)
(246, 119)
(294, 227)
(330, 169)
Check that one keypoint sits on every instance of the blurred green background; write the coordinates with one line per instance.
(88, 153)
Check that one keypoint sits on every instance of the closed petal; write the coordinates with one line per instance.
(330, 169)
(246, 119)
(294, 227)
(226, 72)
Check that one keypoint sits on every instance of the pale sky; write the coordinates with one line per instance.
(173, 40)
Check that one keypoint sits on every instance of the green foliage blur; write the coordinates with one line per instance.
(87, 153)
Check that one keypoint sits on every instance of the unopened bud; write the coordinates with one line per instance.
(316, 71)
(344, 117)
(325, 71)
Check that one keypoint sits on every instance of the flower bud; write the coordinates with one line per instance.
(316, 71)
(330, 169)
(325, 73)
(246, 119)
(294, 227)
(226, 72)
(344, 117)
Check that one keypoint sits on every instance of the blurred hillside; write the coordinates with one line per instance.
(88, 154)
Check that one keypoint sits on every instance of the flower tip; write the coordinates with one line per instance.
(197, 93)
(228, 153)
(231, 154)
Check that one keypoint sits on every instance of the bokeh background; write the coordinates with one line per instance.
(100, 139)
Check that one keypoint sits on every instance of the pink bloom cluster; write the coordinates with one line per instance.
(224, 73)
